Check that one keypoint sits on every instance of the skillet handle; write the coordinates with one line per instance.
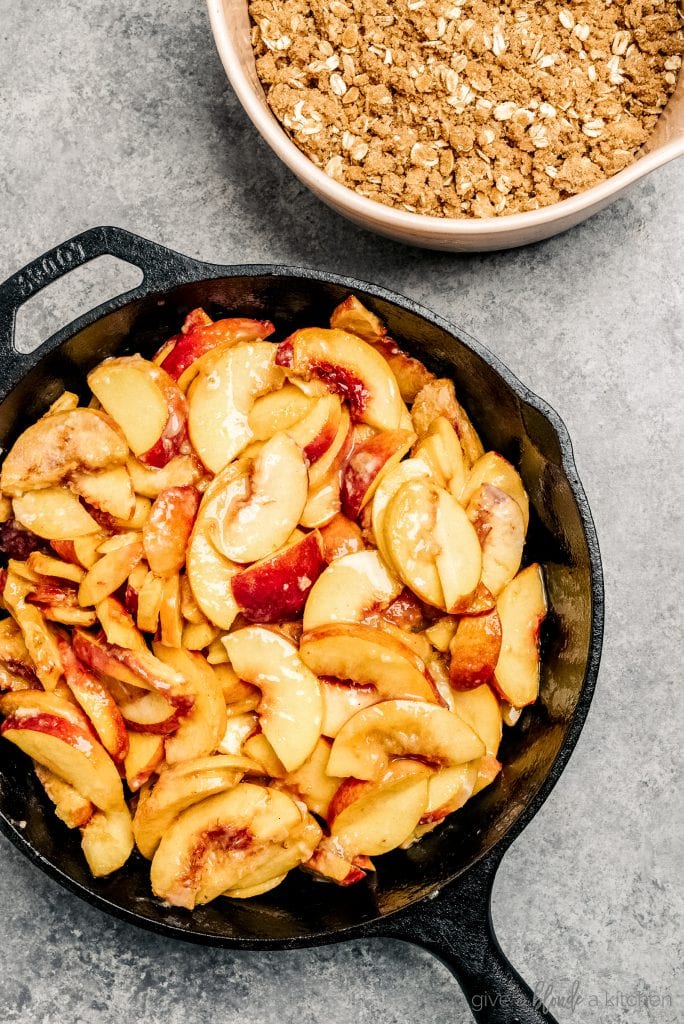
(161, 267)
(456, 926)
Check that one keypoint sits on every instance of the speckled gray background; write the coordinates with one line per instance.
(120, 113)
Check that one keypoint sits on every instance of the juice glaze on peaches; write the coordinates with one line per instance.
(263, 605)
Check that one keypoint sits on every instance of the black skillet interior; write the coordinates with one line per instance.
(510, 420)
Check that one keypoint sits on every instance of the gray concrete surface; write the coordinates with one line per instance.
(120, 113)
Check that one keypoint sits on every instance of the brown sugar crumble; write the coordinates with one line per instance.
(465, 108)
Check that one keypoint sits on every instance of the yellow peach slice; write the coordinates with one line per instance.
(199, 731)
(363, 747)
(349, 588)
(522, 608)
(500, 526)
(493, 469)
(290, 711)
(54, 514)
(107, 841)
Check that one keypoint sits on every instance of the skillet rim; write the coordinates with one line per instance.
(185, 271)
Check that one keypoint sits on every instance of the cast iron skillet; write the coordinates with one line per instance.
(436, 894)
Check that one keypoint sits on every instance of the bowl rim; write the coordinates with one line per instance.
(197, 272)
(378, 216)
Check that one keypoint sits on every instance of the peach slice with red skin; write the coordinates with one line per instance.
(350, 588)
(328, 863)
(500, 527)
(277, 587)
(368, 463)
(522, 608)
(80, 440)
(221, 398)
(145, 754)
(438, 398)
(200, 730)
(96, 701)
(139, 668)
(366, 656)
(290, 711)
(253, 507)
(108, 490)
(493, 469)
(352, 316)
(39, 639)
(147, 405)
(411, 375)
(372, 819)
(179, 787)
(203, 337)
(224, 839)
(407, 728)
(349, 367)
(474, 650)
(167, 530)
(58, 735)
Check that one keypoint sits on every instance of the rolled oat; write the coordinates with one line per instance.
(430, 105)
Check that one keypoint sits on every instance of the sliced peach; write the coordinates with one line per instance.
(349, 367)
(145, 754)
(178, 788)
(368, 657)
(369, 462)
(109, 490)
(438, 398)
(480, 709)
(316, 432)
(181, 471)
(201, 338)
(277, 587)
(149, 602)
(70, 807)
(262, 753)
(261, 505)
(212, 846)
(441, 633)
(382, 817)
(67, 401)
(341, 701)
(118, 625)
(107, 841)
(170, 618)
(500, 527)
(474, 650)
(410, 469)
(333, 459)
(340, 536)
(487, 770)
(54, 514)
(200, 730)
(221, 399)
(197, 636)
(210, 576)
(311, 783)
(109, 573)
(168, 528)
(38, 637)
(449, 789)
(352, 316)
(247, 890)
(278, 410)
(238, 695)
(441, 450)
(45, 565)
(146, 403)
(290, 711)
(522, 608)
(491, 468)
(411, 375)
(58, 735)
(349, 588)
(409, 529)
(139, 668)
(323, 503)
(86, 549)
(238, 729)
(74, 441)
(96, 701)
(363, 747)
(328, 864)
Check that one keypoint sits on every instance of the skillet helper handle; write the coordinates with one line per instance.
(456, 926)
(161, 269)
